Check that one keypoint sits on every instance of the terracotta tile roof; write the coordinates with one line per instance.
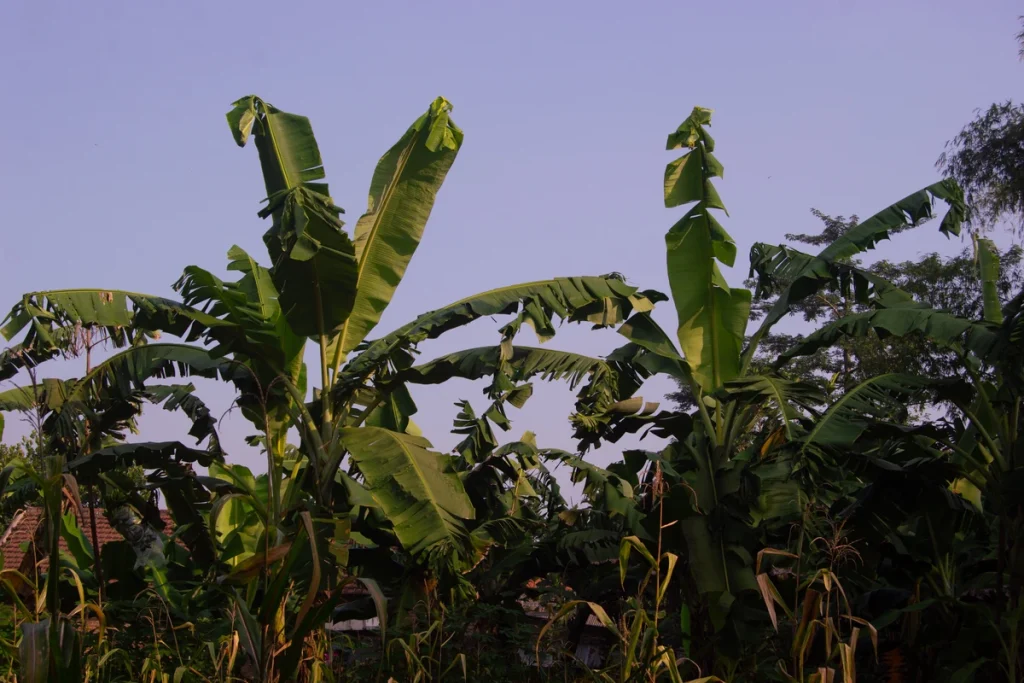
(22, 533)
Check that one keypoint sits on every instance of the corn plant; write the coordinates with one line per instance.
(823, 609)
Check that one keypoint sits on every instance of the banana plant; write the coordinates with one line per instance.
(732, 463)
(325, 286)
(84, 422)
(979, 462)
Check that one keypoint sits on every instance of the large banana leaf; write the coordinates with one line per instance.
(605, 300)
(944, 329)
(807, 276)
(608, 384)
(126, 372)
(402, 192)
(712, 315)
(878, 398)
(416, 489)
(119, 312)
(150, 455)
(314, 263)
(50, 393)
(111, 395)
(112, 391)
(906, 213)
(777, 266)
(650, 347)
(612, 381)
(18, 356)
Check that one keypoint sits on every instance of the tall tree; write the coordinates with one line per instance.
(987, 159)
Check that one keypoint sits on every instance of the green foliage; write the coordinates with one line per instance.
(712, 316)
(402, 192)
(415, 487)
(796, 508)
(987, 159)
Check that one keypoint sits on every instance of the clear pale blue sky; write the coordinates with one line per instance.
(118, 170)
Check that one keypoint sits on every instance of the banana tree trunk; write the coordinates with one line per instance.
(145, 540)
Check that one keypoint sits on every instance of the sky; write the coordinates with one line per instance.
(118, 170)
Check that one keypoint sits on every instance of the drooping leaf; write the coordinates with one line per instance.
(120, 313)
(602, 300)
(878, 398)
(651, 348)
(908, 212)
(609, 381)
(150, 455)
(112, 392)
(626, 546)
(940, 327)
(816, 273)
(314, 265)
(49, 393)
(18, 356)
(182, 397)
(776, 267)
(603, 385)
(402, 192)
(415, 487)
(127, 372)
